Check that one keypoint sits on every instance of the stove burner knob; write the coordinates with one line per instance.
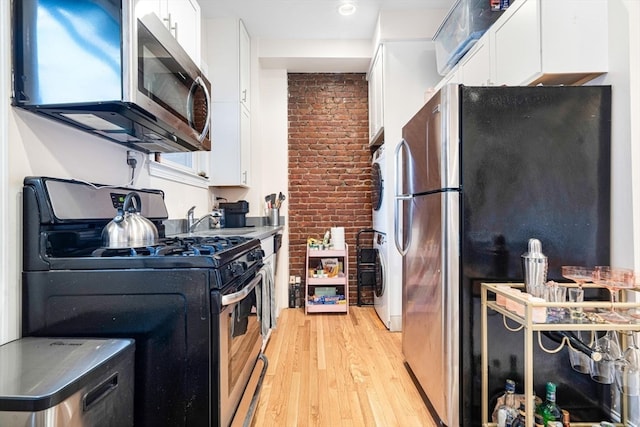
(237, 269)
(257, 254)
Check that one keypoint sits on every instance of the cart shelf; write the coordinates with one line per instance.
(524, 321)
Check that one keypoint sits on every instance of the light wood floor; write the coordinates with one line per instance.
(337, 370)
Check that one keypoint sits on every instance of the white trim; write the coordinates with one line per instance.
(177, 174)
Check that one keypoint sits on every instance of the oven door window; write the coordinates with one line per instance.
(162, 79)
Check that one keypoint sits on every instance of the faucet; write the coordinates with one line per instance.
(195, 224)
(190, 218)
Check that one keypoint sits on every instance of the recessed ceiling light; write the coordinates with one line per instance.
(347, 9)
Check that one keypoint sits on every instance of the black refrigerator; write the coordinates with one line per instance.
(479, 171)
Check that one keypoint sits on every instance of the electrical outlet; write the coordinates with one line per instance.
(131, 159)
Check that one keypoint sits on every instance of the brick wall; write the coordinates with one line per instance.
(329, 163)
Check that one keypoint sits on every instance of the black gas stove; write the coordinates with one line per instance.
(63, 228)
(189, 302)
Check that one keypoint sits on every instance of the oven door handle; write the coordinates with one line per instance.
(242, 293)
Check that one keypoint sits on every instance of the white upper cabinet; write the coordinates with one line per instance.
(539, 41)
(229, 60)
(245, 67)
(551, 42)
(230, 155)
(182, 19)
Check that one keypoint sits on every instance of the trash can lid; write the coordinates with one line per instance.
(39, 373)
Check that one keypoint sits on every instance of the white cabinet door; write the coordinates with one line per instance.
(230, 146)
(229, 57)
(183, 18)
(376, 96)
(245, 146)
(517, 44)
(245, 67)
(551, 42)
(144, 7)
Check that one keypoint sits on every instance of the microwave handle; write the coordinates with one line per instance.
(242, 293)
(198, 82)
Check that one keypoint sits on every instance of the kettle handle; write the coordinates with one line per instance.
(129, 206)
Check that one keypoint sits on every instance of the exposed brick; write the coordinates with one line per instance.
(329, 163)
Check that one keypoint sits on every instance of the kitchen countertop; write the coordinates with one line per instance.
(258, 232)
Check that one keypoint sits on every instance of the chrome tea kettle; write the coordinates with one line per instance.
(129, 229)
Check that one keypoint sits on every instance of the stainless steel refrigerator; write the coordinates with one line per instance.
(481, 170)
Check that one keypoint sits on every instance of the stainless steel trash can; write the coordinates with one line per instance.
(66, 382)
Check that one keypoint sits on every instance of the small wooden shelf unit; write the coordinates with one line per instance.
(339, 282)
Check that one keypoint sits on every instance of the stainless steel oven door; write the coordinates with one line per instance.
(240, 344)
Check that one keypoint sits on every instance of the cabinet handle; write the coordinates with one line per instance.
(244, 177)
(167, 22)
(172, 27)
(244, 95)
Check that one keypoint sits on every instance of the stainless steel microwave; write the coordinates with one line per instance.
(95, 65)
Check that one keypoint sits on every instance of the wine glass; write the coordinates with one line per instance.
(580, 275)
(614, 279)
(628, 369)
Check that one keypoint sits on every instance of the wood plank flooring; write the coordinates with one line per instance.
(337, 370)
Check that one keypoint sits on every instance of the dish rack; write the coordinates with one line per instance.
(523, 319)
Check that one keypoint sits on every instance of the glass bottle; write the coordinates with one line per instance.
(507, 411)
(521, 419)
(549, 410)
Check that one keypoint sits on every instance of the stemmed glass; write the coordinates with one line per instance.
(580, 275)
(628, 369)
(614, 279)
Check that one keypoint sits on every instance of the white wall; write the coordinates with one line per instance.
(624, 77)
(270, 159)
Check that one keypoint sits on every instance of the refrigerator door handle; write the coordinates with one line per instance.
(396, 225)
(399, 199)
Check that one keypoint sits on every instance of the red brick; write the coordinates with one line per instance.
(329, 163)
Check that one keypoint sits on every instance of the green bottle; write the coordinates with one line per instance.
(549, 410)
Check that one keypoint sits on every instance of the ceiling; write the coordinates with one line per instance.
(310, 19)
